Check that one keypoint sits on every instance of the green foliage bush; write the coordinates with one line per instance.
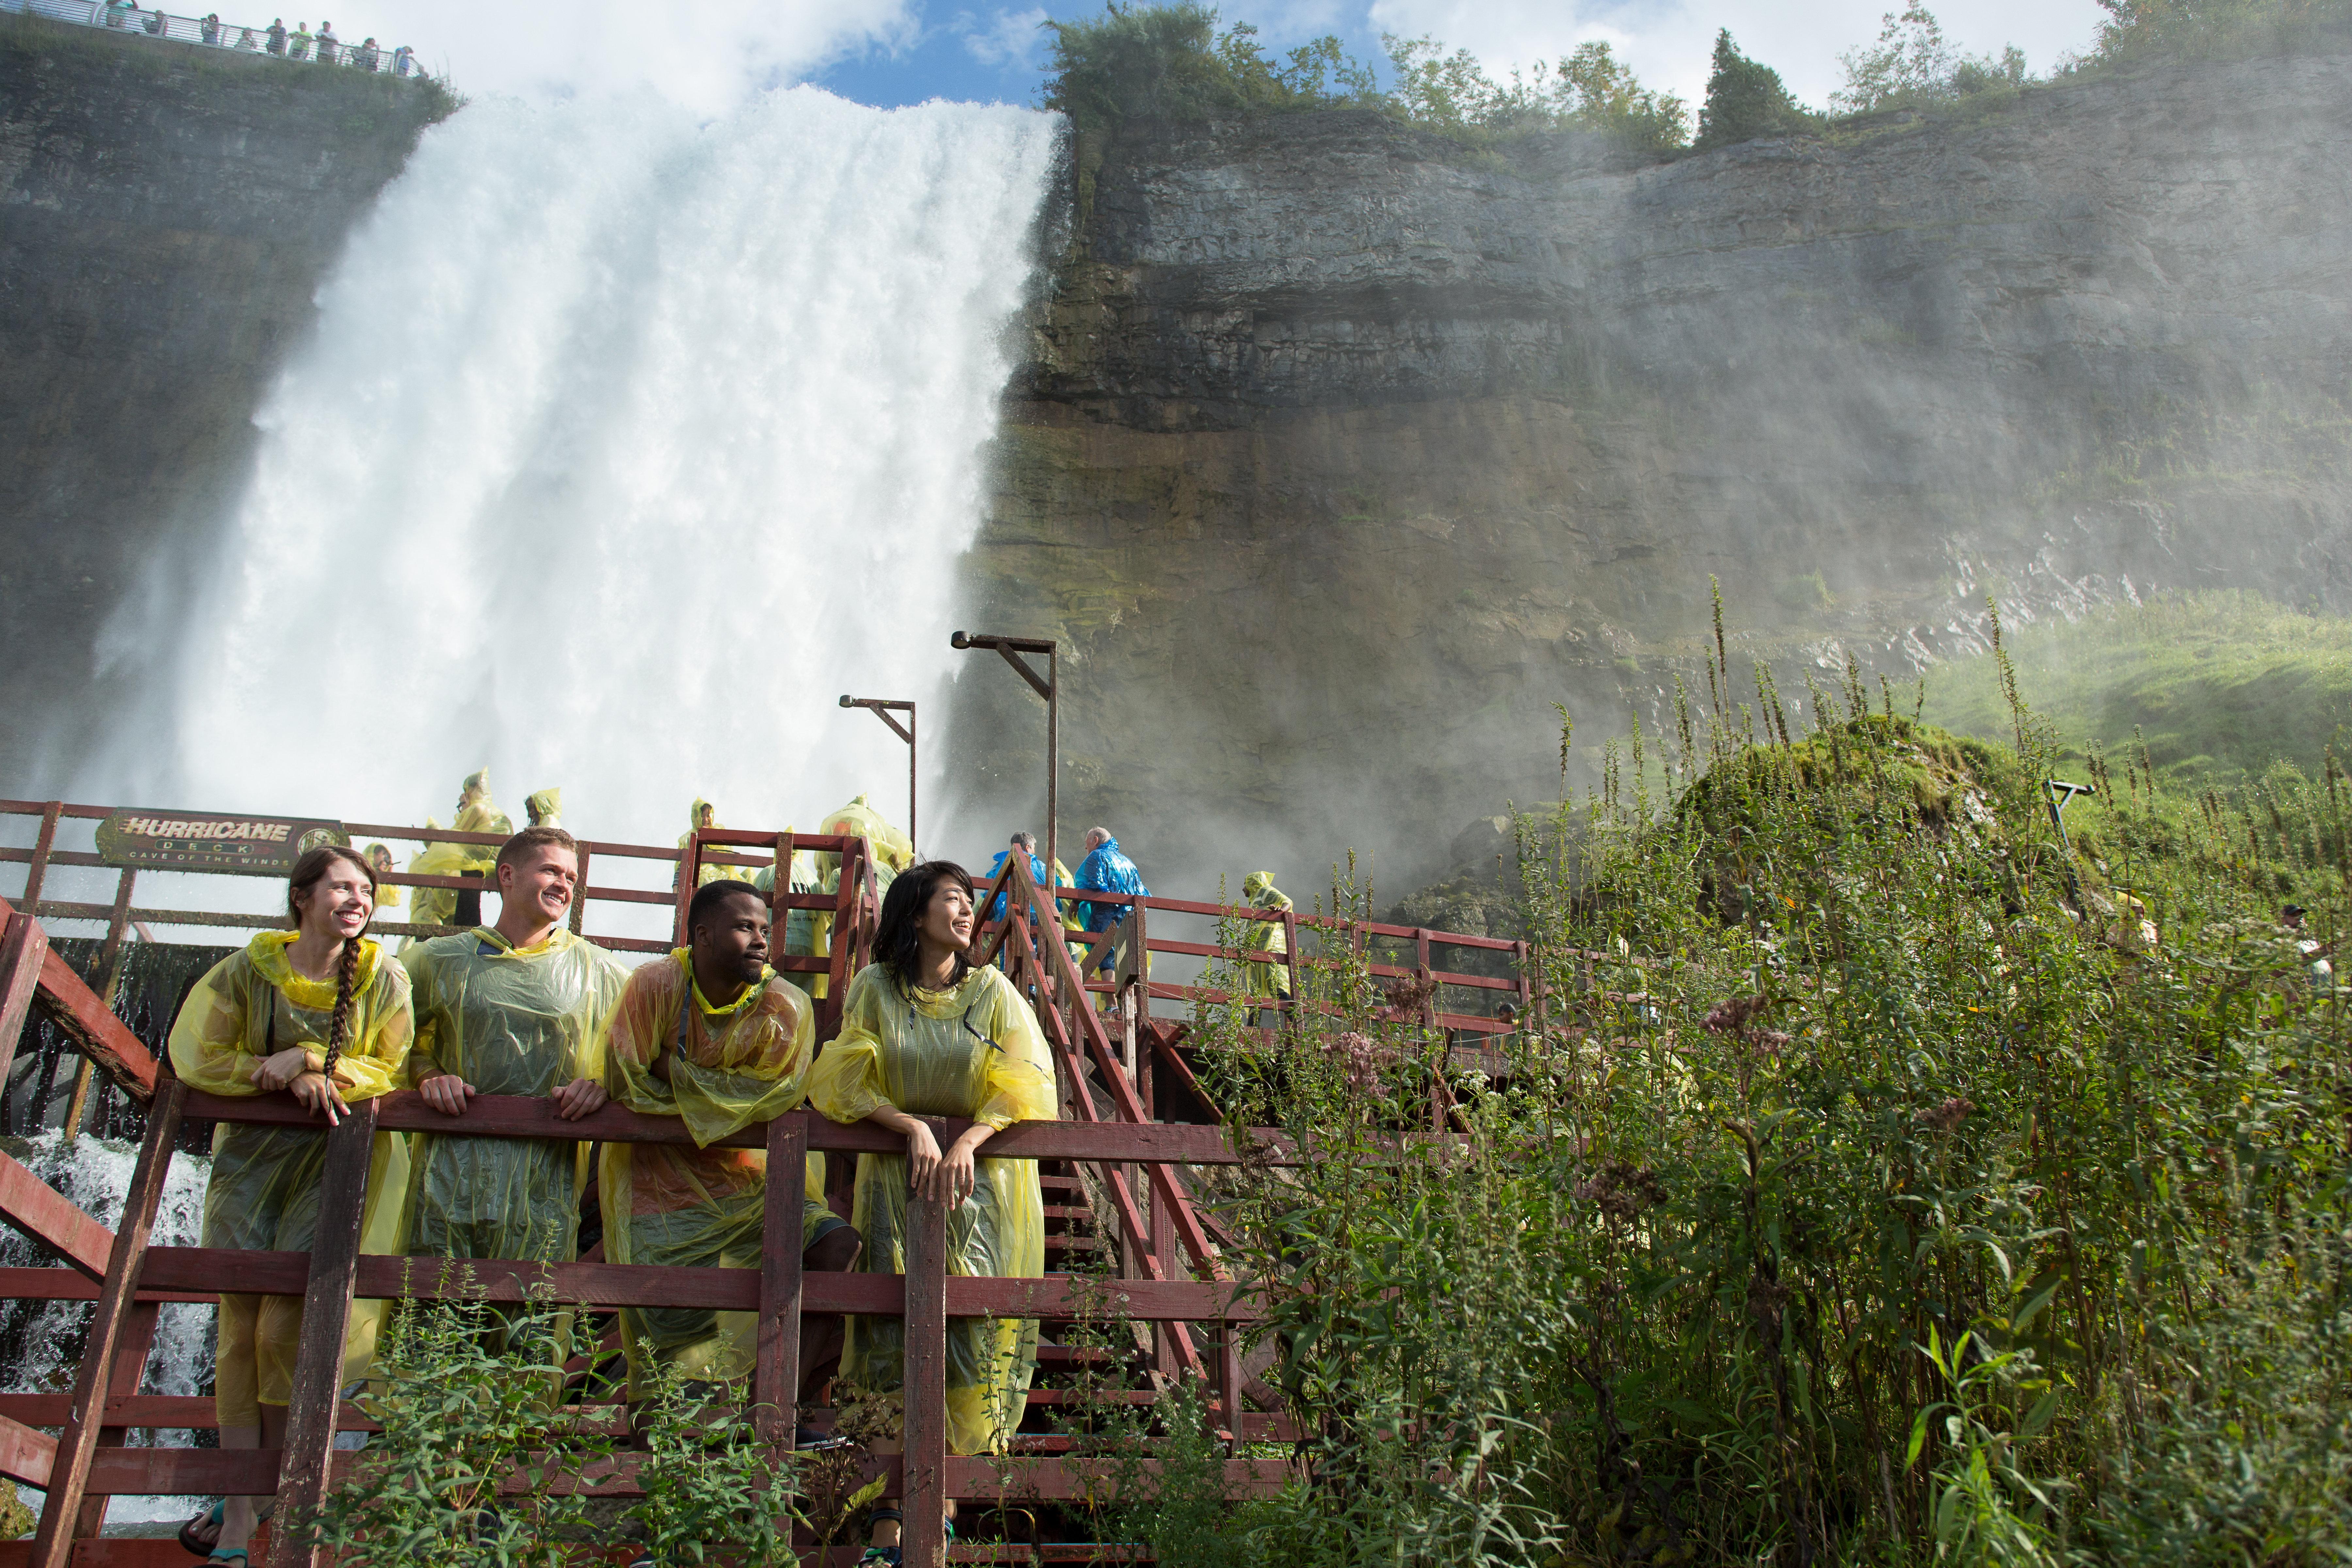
(1746, 101)
(1588, 90)
(1170, 62)
(2216, 686)
(1913, 65)
(1913, 1208)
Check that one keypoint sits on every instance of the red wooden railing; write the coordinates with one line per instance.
(1173, 1278)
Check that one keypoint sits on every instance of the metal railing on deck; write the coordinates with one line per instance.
(293, 46)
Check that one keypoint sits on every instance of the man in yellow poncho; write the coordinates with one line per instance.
(476, 812)
(1267, 973)
(924, 1033)
(712, 1036)
(519, 1007)
(544, 807)
(320, 1010)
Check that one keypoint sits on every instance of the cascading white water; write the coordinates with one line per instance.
(625, 445)
(94, 1174)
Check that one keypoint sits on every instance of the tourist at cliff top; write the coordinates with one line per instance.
(366, 60)
(156, 24)
(209, 29)
(1106, 869)
(476, 812)
(924, 1033)
(519, 1007)
(327, 45)
(402, 59)
(245, 41)
(277, 34)
(119, 12)
(713, 1036)
(302, 45)
(323, 1012)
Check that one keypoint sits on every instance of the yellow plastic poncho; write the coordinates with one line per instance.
(700, 1208)
(507, 1020)
(892, 848)
(379, 856)
(264, 1191)
(974, 1051)
(1270, 978)
(544, 807)
(709, 874)
(476, 812)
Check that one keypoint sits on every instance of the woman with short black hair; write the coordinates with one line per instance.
(923, 1033)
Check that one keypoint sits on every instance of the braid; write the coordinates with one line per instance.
(339, 1026)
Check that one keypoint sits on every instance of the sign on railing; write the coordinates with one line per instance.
(241, 845)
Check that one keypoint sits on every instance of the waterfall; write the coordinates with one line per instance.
(41, 1342)
(624, 444)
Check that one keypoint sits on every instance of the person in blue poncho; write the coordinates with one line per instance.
(1106, 869)
(1026, 843)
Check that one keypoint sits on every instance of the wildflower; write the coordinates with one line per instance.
(1944, 1117)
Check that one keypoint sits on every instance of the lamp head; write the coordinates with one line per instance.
(958, 641)
(844, 701)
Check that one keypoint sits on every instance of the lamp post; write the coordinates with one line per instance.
(1049, 688)
(882, 708)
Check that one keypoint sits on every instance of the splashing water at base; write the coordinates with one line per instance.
(625, 443)
(41, 1342)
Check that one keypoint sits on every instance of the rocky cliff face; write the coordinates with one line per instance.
(166, 212)
(1344, 452)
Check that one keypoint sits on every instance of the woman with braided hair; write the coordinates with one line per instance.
(322, 1012)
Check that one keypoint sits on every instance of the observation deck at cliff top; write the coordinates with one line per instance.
(119, 17)
(1120, 1170)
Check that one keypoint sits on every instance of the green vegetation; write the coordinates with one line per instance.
(1590, 89)
(1879, 1185)
(2210, 688)
(2135, 28)
(1746, 101)
(1912, 65)
(1170, 62)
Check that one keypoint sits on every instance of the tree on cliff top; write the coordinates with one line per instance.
(1170, 62)
(1745, 101)
(1590, 89)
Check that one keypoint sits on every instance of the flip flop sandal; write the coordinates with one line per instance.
(188, 1541)
(230, 1553)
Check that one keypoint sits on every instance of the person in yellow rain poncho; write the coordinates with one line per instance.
(808, 933)
(476, 812)
(520, 1007)
(714, 1037)
(1266, 973)
(322, 1011)
(700, 815)
(544, 807)
(924, 1033)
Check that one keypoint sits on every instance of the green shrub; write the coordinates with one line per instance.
(1170, 62)
(1915, 1209)
(1745, 101)
(1590, 89)
(1912, 65)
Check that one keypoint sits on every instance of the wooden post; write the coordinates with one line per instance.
(776, 1375)
(130, 1366)
(689, 871)
(303, 1468)
(22, 952)
(848, 885)
(108, 975)
(1290, 958)
(925, 1382)
(580, 894)
(37, 872)
(110, 1327)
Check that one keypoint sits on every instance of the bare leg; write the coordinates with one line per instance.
(823, 1334)
(240, 1514)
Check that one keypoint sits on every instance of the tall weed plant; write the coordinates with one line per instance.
(1875, 1182)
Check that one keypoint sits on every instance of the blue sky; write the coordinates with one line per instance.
(894, 52)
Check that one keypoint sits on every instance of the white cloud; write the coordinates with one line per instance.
(707, 56)
(1008, 38)
(1669, 43)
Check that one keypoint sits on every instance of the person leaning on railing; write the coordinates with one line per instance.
(714, 1037)
(322, 1011)
(923, 1033)
(519, 1007)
